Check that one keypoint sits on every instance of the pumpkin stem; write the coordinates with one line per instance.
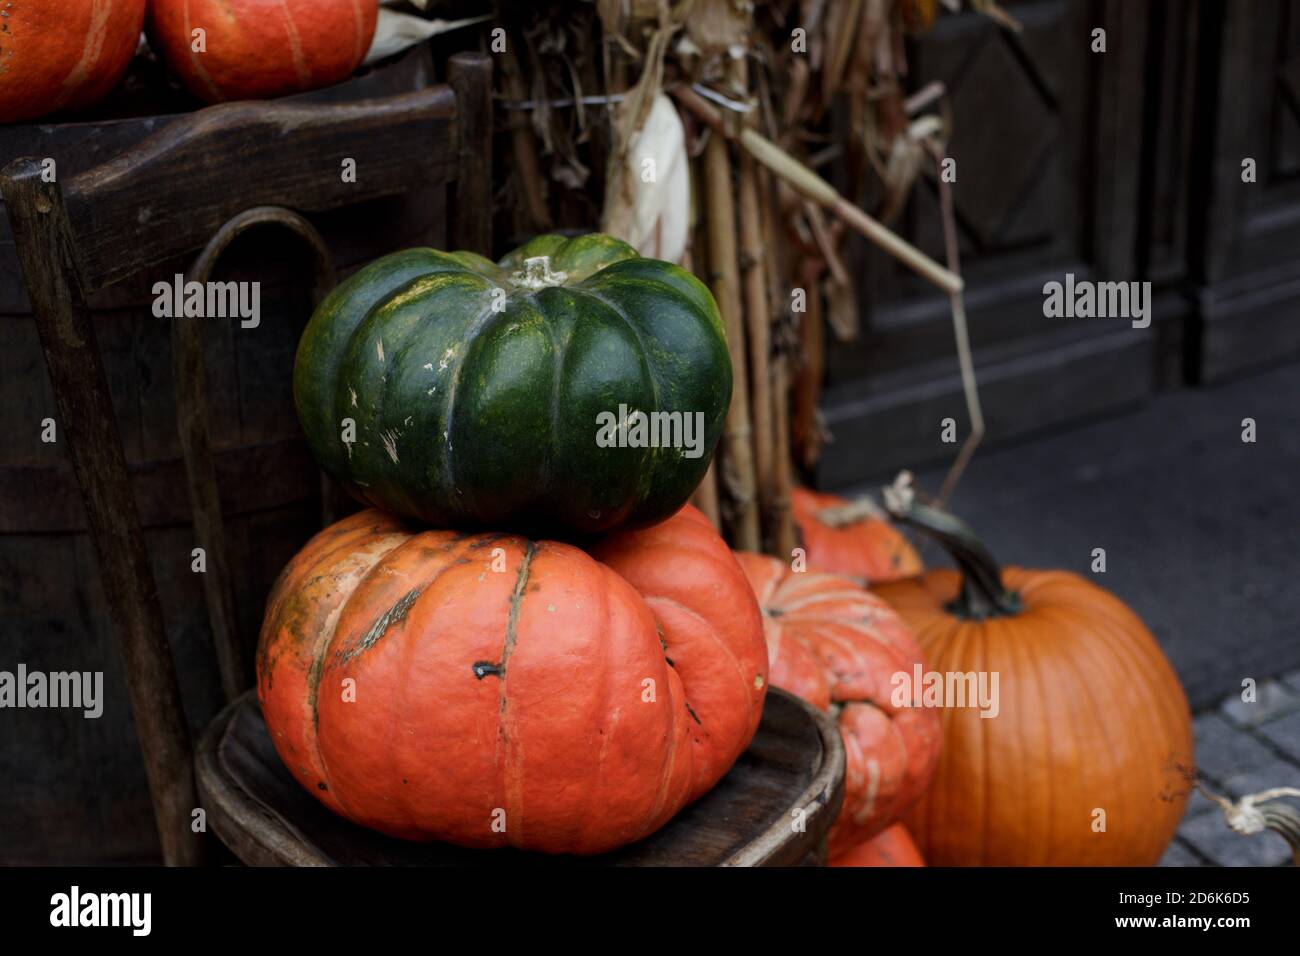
(1256, 812)
(982, 592)
(851, 512)
(537, 274)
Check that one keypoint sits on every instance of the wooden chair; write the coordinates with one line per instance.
(173, 193)
(199, 183)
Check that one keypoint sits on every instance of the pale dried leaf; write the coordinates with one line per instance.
(396, 32)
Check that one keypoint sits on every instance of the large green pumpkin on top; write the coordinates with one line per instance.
(470, 394)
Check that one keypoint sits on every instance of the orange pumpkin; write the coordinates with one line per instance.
(711, 627)
(869, 549)
(839, 647)
(59, 56)
(488, 690)
(1084, 763)
(893, 846)
(256, 49)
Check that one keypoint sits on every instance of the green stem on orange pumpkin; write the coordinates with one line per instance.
(983, 594)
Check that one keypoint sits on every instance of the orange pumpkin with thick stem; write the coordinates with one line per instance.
(839, 647)
(488, 690)
(256, 49)
(868, 548)
(1090, 717)
(57, 56)
(893, 846)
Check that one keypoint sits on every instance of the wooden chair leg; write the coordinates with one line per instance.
(44, 244)
(470, 199)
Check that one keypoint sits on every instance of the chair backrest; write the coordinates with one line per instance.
(195, 185)
(174, 190)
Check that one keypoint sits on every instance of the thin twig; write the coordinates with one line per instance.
(923, 97)
(812, 186)
(960, 332)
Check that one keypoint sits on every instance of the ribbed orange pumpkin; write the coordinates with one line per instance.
(1090, 715)
(892, 847)
(869, 549)
(60, 56)
(839, 647)
(710, 625)
(256, 49)
(488, 690)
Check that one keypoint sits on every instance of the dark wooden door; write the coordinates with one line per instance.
(1048, 140)
(1249, 236)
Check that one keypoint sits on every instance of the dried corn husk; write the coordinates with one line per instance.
(396, 32)
(650, 207)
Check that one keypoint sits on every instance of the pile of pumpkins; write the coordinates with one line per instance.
(530, 639)
(61, 57)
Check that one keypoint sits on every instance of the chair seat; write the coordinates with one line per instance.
(796, 760)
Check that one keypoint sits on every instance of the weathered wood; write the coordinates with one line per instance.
(173, 190)
(79, 793)
(796, 761)
(45, 244)
(45, 499)
(470, 75)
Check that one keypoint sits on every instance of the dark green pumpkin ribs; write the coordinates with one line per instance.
(470, 390)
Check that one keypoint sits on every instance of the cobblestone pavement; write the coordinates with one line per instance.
(1241, 748)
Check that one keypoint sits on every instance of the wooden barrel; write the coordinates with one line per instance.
(74, 787)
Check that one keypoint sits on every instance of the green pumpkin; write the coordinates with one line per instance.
(480, 395)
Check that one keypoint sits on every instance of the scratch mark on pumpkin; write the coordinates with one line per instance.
(394, 615)
(516, 601)
(379, 349)
(694, 716)
(509, 760)
(389, 439)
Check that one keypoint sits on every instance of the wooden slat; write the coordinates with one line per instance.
(85, 409)
(176, 188)
(470, 75)
(44, 499)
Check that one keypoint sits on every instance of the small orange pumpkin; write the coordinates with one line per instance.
(488, 690)
(257, 49)
(839, 647)
(869, 548)
(1090, 720)
(60, 56)
(893, 846)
